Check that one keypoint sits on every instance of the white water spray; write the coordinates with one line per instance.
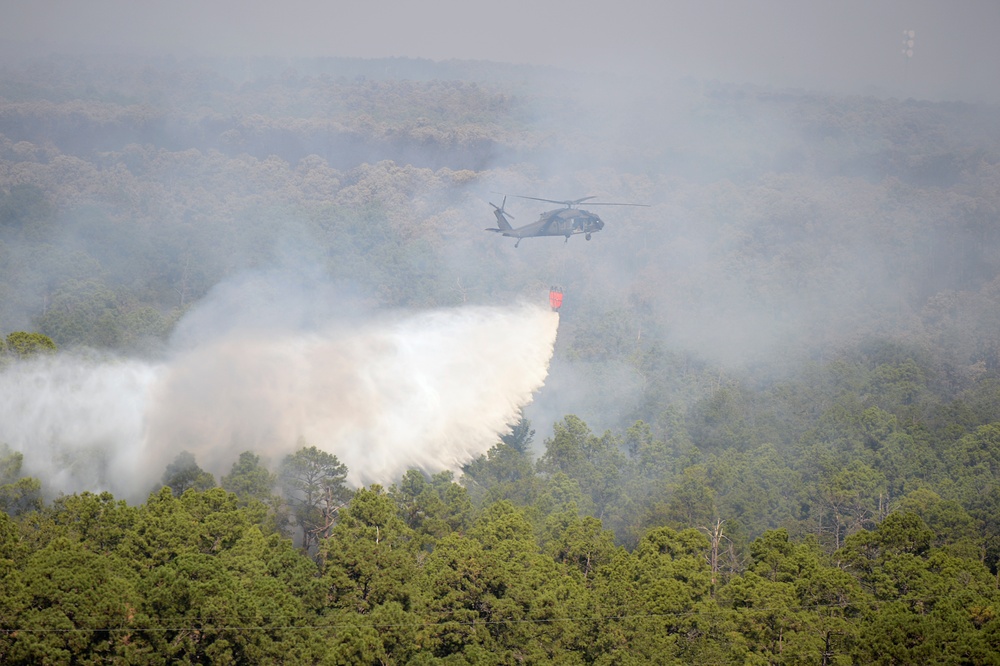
(430, 390)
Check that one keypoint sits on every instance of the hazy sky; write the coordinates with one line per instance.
(845, 45)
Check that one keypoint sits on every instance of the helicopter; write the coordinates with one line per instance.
(559, 222)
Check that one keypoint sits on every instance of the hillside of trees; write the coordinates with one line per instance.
(771, 430)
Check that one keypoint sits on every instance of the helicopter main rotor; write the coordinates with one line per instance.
(575, 202)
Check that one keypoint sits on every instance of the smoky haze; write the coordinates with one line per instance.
(852, 46)
(385, 391)
(783, 224)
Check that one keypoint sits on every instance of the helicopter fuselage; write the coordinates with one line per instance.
(559, 222)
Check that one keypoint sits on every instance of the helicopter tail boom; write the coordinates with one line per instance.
(503, 224)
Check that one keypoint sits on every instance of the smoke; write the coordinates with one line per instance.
(78, 420)
(383, 392)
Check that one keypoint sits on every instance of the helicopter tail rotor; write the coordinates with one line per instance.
(503, 224)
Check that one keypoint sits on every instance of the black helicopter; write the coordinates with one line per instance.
(559, 222)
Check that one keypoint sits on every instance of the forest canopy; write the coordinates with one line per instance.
(769, 431)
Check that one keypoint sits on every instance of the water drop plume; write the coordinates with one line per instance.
(428, 390)
(384, 393)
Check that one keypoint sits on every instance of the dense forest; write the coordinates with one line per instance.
(769, 433)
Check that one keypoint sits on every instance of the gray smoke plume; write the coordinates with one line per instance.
(383, 392)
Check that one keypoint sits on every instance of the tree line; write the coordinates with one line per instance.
(433, 571)
(870, 538)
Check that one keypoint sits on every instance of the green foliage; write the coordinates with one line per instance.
(313, 485)
(24, 345)
(690, 500)
(947, 519)
(504, 472)
(193, 579)
(975, 460)
(77, 605)
(854, 498)
(98, 520)
(579, 542)
(83, 312)
(18, 494)
(596, 463)
(184, 474)
(493, 592)
(433, 506)
(368, 560)
(520, 436)
(250, 480)
(722, 421)
(21, 496)
(931, 601)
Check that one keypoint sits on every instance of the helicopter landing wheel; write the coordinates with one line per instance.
(587, 236)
